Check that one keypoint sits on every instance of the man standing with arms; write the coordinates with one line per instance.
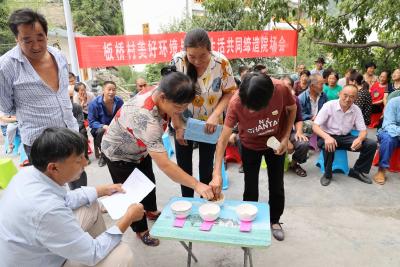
(34, 79)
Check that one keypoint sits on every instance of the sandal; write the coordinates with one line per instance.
(148, 240)
(299, 170)
(153, 215)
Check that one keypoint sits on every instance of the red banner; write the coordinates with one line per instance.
(102, 51)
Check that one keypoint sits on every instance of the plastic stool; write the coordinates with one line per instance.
(394, 164)
(167, 144)
(285, 166)
(7, 172)
(225, 181)
(340, 162)
(313, 142)
(232, 154)
(22, 154)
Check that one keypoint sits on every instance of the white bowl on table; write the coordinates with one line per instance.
(209, 211)
(246, 212)
(181, 208)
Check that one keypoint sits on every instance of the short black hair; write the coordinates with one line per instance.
(177, 87)
(370, 64)
(71, 74)
(334, 73)
(56, 144)
(25, 16)
(259, 68)
(256, 90)
(109, 82)
(306, 72)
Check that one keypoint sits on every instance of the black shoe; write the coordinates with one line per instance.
(360, 176)
(101, 161)
(325, 181)
(278, 233)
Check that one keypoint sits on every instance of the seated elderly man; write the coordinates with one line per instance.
(388, 137)
(43, 224)
(311, 101)
(333, 125)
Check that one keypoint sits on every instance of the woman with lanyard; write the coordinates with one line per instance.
(134, 138)
(213, 76)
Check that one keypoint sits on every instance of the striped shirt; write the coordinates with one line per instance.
(37, 106)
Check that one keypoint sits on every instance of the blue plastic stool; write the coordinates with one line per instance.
(22, 154)
(167, 145)
(225, 181)
(340, 162)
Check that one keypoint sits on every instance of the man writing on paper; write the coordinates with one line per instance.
(43, 224)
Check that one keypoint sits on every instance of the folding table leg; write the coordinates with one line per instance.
(190, 254)
(247, 257)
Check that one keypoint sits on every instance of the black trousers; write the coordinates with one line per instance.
(98, 136)
(251, 167)
(206, 162)
(364, 161)
(120, 171)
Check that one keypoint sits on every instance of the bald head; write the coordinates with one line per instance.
(140, 84)
(347, 96)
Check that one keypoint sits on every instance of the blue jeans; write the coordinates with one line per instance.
(387, 145)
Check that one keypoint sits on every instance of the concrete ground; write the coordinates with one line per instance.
(348, 223)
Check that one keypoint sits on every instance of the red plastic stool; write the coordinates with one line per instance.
(232, 154)
(394, 164)
(375, 118)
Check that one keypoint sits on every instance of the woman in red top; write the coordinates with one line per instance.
(377, 91)
(263, 109)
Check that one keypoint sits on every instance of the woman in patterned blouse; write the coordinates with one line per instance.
(212, 74)
(363, 101)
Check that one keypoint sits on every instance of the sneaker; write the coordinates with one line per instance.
(147, 239)
(277, 232)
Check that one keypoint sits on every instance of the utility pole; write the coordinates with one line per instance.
(71, 39)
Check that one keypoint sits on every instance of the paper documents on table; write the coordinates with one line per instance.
(195, 131)
(136, 187)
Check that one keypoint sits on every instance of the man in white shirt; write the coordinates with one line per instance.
(43, 224)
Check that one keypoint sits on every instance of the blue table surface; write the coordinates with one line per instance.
(225, 229)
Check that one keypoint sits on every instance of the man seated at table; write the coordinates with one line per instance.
(333, 125)
(311, 101)
(43, 224)
(101, 112)
(388, 137)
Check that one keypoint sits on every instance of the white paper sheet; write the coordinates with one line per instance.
(195, 131)
(136, 187)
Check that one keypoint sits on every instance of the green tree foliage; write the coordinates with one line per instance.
(7, 40)
(342, 28)
(153, 72)
(97, 17)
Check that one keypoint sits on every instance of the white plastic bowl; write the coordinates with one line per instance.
(209, 211)
(246, 212)
(220, 201)
(181, 208)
